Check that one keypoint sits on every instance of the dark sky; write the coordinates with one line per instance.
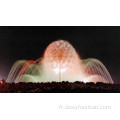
(18, 43)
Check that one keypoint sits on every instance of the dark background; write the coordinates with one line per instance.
(99, 42)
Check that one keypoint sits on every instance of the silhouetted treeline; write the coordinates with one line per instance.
(56, 87)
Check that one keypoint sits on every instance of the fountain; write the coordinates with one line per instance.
(60, 62)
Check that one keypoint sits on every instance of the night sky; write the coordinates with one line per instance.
(18, 43)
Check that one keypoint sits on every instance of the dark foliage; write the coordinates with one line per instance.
(63, 87)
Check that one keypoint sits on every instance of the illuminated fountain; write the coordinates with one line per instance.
(96, 71)
(60, 62)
